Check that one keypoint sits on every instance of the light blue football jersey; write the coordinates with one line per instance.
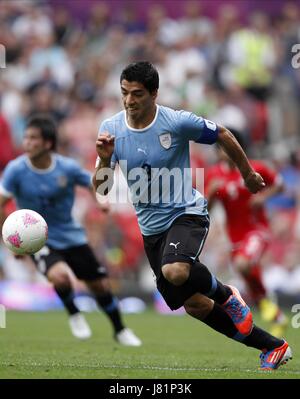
(49, 192)
(160, 149)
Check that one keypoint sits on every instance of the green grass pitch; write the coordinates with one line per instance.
(39, 345)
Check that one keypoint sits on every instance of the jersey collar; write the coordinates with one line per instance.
(42, 171)
(144, 128)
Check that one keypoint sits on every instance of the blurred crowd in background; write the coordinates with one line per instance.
(234, 69)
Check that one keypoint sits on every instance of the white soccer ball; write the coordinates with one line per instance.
(25, 232)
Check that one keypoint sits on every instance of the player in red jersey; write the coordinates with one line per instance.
(247, 226)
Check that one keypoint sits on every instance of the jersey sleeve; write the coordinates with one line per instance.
(107, 127)
(196, 128)
(9, 181)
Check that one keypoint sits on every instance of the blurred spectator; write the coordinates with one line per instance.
(251, 55)
(33, 22)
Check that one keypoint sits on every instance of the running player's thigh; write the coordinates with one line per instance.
(186, 237)
(59, 273)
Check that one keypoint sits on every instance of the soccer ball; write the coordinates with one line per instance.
(24, 232)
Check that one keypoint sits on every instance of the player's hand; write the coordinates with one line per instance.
(105, 145)
(254, 182)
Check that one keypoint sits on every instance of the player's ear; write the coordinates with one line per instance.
(154, 94)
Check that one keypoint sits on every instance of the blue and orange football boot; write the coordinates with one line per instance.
(239, 312)
(274, 358)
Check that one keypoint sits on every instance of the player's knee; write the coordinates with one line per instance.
(176, 273)
(59, 279)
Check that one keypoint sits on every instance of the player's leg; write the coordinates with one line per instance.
(252, 276)
(200, 306)
(59, 276)
(274, 351)
(182, 268)
(51, 263)
(246, 261)
(85, 265)
(246, 256)
(203, 308)
(100, 287)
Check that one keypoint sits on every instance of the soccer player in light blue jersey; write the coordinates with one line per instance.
(44, 181)
(150, 143)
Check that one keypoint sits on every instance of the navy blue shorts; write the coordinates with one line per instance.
(182, 242)
(81, 259)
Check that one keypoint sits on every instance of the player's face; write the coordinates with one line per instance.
(136, 99)
(33, 143)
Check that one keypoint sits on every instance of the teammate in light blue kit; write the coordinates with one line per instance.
(148, 140)
(44, 181)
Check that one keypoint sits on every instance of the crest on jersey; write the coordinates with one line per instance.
(165, 140)
(62, 181)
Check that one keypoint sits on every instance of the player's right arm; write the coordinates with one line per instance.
(3, 201)
(8, 186)
(103, 176)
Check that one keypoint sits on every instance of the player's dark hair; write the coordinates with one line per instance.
(46, 126)
(143, 72)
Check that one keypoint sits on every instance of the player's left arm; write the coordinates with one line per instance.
(200, 130)
(3, 201)
(253, 180)
(85, 179)
(274, 185)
